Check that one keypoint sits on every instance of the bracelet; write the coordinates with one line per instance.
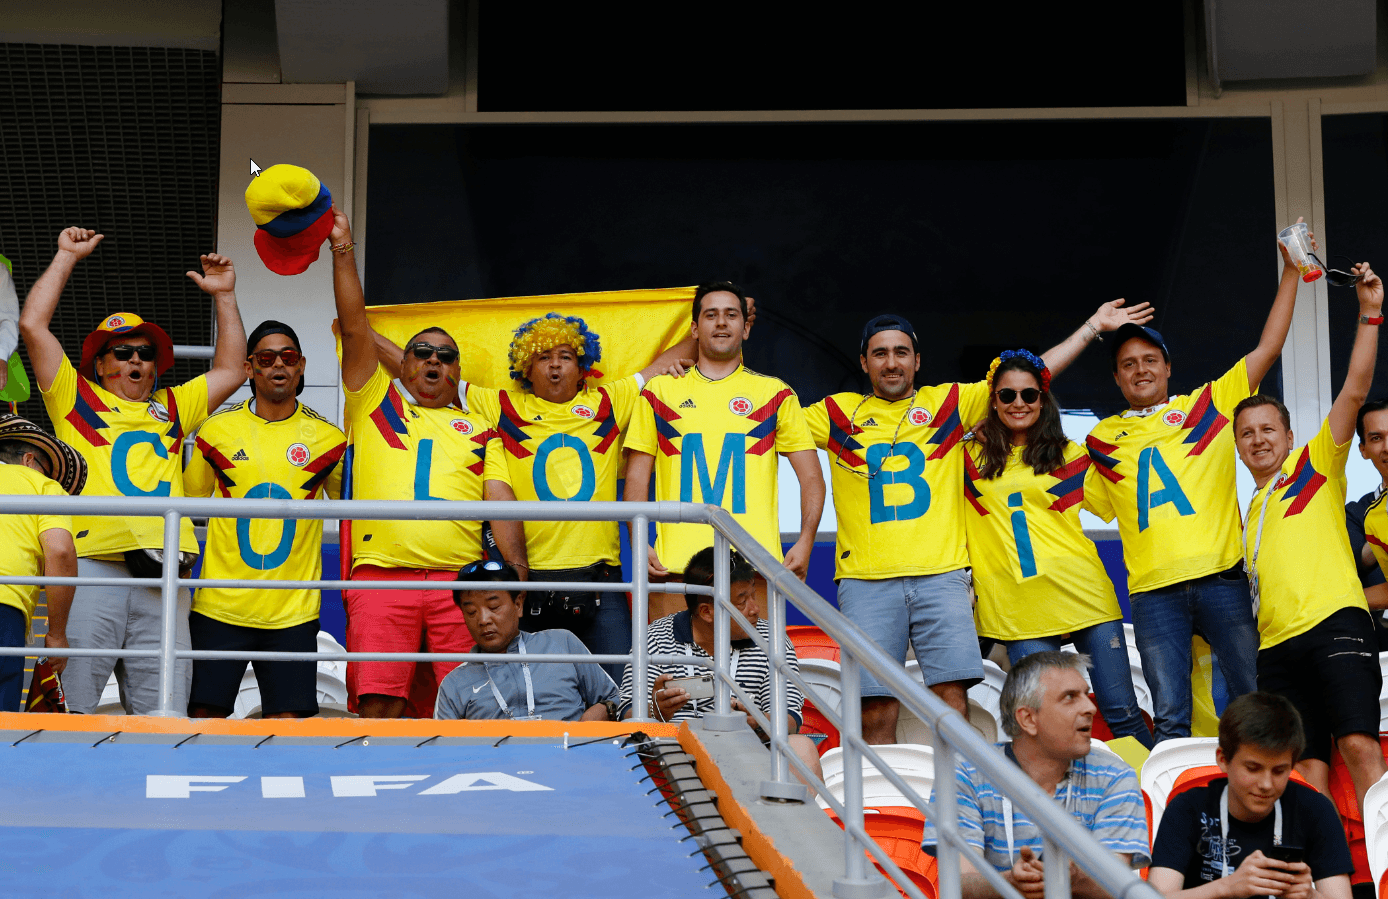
(1365, 320)
(1093, 331)
(342, 248)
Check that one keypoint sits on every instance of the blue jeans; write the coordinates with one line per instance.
(1216, 606)
(1113, 682)
(13, 628)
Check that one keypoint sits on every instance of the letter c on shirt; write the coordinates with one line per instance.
(120, 472)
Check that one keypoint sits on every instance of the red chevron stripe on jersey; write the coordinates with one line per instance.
(319, 469)
(1306, 481)
(389, 418)
(85, 415)
(950, 430)
(480, 451)
(665, 431)
(765, 431)
(1204, 422)
(971, 491)
(1376, 542)
(511, 428)
(220, 465)
(607, 424)
(1101, 454)
(842, 430)
(175, 431)
(1070, 490)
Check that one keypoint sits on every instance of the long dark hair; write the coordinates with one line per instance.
(1046, 440)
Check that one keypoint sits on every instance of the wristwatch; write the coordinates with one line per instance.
(1365, 320)
(611, 707)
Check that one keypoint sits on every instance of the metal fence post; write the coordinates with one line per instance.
(640, 617)
(946, 820)
(780, 786)
(168, 633)
(723, 717)
(856, 882)
(1057, 869)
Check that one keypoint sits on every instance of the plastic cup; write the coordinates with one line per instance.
(1296, 238)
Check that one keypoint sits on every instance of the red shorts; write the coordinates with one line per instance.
(402, 621)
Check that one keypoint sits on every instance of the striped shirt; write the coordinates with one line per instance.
(674, 635)
(1100, 791)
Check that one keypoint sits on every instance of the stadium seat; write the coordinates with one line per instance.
(988, 692)
(813, 723)
(812, 643)
(910, 729)
(1342, 794)
(1165, 764)
(823, 675)
(1376, 828)
(898, 830)
(914, 764)
(1101, 729)
(330, 683)
(1144, 692)
(109, 703)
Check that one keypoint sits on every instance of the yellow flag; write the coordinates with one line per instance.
(633, 327)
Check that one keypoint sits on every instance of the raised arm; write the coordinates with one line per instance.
(45, 352)
(1362, 357)
(806, 465)
(1110, 317)
(358, 337)
(1278, 323)
(674, 361)
(228, 372)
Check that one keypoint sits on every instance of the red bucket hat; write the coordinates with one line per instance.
(125, 324)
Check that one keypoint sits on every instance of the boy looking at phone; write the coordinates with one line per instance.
(685, 692)
(1253, 833)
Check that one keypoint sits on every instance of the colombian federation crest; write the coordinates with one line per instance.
(462, 426)
(583, 411)
(919, 416)
(297, 454)
(739, 405)
(1175, 418)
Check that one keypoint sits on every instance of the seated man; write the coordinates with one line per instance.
(1260, 817)
(691, 633)
(1047, 712)
(521, 692)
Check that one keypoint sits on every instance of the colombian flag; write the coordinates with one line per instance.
(635, 326)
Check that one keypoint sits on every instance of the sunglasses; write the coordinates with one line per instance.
(266, 358)
(1337, 277)
(1007, 395)
(483, 565)
(125, 351)
(447, 355)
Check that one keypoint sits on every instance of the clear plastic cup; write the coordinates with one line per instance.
(1296, 238)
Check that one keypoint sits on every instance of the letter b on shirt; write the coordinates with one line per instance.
(908, 479)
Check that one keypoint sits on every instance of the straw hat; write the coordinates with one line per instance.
(68, 467)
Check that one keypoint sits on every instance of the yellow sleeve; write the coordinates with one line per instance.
(1096, 498)
(368, 397)
(817, 420)
(486, 402)
(191, 399)
(1376, 531)
(198, 479)
(332, 487)
(49, 521)
(1327, 457)
(641, 435)
(792, 433)
(624, 395)
(496, 467)
(61, 395)
(973, 403)
(1231, 388)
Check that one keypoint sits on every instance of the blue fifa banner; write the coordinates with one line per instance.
(360, 820)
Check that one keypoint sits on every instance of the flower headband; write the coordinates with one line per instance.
(547, 332)
(1029, 356)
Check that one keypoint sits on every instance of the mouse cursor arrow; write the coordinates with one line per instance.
(255, 169)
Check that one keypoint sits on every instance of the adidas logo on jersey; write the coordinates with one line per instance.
(240, 456)
(870, 423)
(1120, 435)
(688, 404)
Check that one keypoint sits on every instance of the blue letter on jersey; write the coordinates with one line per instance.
(910, 476)
(120, 472)
(1025, 557)
(280, 555)
(540, 470)
(732, 456)
(422, 467)
(1150, 460)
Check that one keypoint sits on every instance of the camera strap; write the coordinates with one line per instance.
(1224, 826)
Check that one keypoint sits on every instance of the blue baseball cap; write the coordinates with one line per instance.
(886, 323)
(1130, 330)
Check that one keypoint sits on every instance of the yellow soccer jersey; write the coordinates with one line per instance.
(132, 449)
(1035, 572)
(243, 456)
(1376, 530)
(407, 452)
(564, 452)
(716, 442)
(895, 470)
(1168, 478)
(1305, 566)
(21, 548)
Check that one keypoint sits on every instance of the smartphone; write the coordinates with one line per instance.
(700, 687)
(1284, 853)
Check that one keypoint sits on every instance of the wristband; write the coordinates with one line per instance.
(342, 248)
(1365, 320)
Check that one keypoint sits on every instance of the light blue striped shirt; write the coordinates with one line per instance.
(1101, 791)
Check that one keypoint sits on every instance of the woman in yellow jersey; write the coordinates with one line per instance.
(1038, 578)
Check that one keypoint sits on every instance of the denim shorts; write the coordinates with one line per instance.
(934, 612)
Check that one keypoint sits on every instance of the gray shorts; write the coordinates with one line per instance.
(935, 612)
(122, 618)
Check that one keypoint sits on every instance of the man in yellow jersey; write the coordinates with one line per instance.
(1164, 468)
(559, 439)
(1372, 427)
(421, 438)
(111, 409)
(713, 437)
(898, 469)
(1317, 644)
(34, 464)
(269, 447)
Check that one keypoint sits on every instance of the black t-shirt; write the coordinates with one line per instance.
(1189, 837)
(1370, 574)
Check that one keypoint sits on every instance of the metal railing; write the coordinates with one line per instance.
(1064, 838)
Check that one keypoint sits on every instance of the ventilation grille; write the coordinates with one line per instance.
(124, 140)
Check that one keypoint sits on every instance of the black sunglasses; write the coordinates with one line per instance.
(472, 568)
(447, 355)
(1007, 395)
(125, 351)
(1337, 277)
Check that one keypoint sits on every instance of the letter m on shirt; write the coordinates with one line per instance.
(732, 459)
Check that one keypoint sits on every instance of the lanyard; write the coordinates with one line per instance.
(1252, 564)
(1224, 826)
(1007, 812)
(529, 687)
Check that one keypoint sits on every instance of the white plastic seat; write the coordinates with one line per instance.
(914, 764)
(1166, 763)
(988, 692)
(910, 729)
(329, 682)
(109, 703)
(823, 675)
(1376, 827)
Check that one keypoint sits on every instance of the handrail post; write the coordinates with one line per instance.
(723, 717)
(168, 632)
(855, 884)
(780, 786)
(640, 617)
(946, 820)
(1057, 869)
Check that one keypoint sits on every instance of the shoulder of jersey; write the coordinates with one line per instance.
(757, 374)
(1376, 503)
(317, 417)
(223, 414)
